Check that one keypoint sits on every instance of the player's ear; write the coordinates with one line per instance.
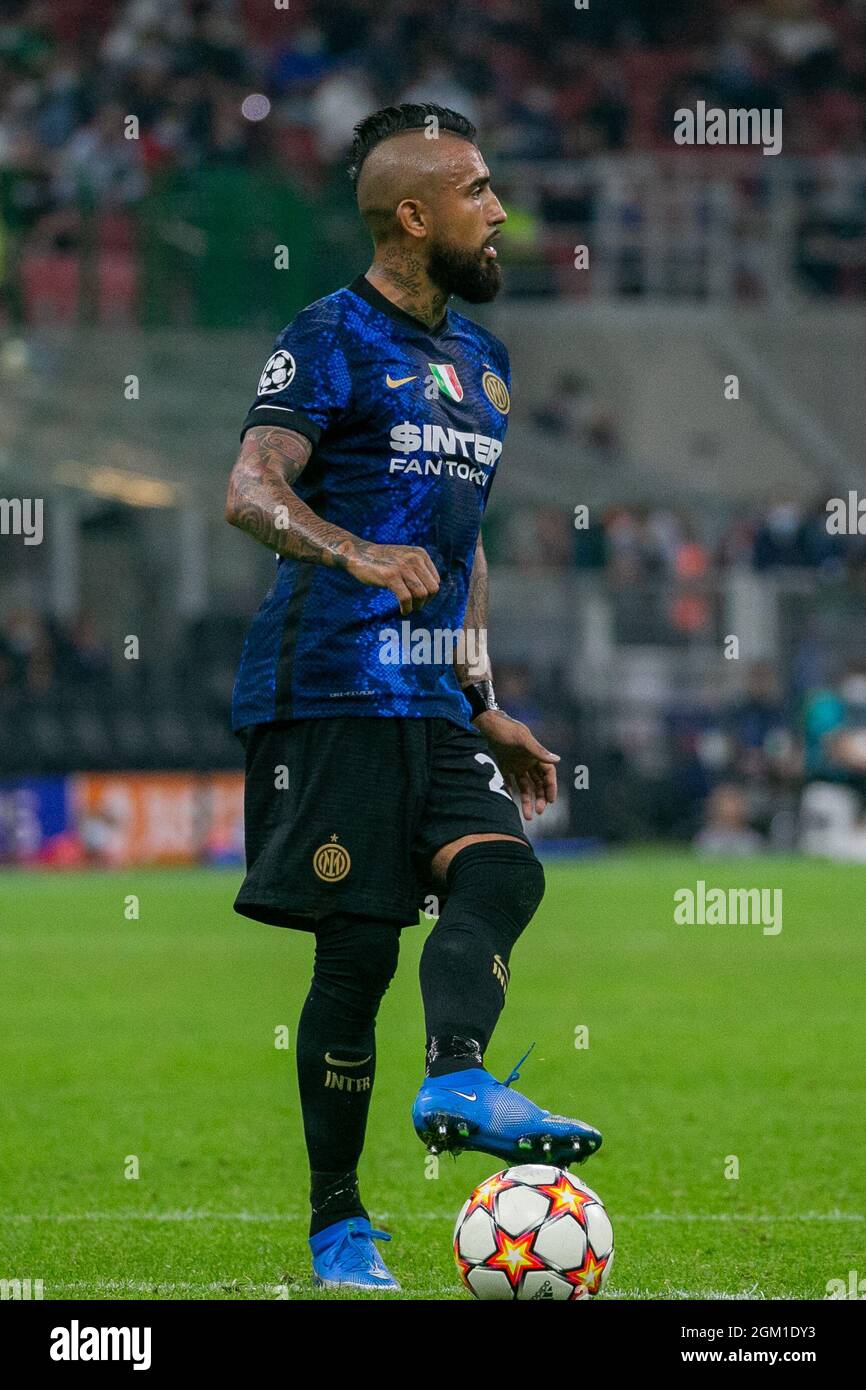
(411, 217)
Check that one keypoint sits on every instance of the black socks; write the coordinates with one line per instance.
(336, 1057)
(336, 1082)
(494, 888)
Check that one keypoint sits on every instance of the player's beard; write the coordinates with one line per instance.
(471, 275)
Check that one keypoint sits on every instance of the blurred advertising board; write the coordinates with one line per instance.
(112, 820)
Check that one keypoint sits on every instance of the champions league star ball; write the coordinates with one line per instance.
(279, 371)
(533, 1232)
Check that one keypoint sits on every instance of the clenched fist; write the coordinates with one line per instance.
(406, 570)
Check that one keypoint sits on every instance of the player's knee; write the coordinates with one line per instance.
(376, 964)
(356, 961)
(502, 878)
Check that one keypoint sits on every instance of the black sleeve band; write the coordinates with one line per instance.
(285, 417)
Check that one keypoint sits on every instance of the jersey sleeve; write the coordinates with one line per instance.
(305, 384)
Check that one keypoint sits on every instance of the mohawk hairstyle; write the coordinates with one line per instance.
(394, 120)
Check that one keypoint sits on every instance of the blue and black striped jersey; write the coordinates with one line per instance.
(407, 425)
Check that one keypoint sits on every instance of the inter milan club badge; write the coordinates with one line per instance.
(331, 862)
(496, 392)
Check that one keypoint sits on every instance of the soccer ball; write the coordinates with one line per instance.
(533, 1232)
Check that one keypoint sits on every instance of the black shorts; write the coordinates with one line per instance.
(345, 814)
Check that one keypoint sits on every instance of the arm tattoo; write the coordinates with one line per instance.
(476, 666)
(261, 501)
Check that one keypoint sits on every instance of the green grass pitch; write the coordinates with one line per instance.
(155, 1039)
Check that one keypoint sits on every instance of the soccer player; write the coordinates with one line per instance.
(379, 765)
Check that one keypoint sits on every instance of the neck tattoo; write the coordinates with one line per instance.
(409, 285)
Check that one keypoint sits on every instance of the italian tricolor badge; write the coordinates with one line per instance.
(447, 380)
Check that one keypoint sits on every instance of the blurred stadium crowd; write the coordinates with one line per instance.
(724, 761)
(245, 110)
(643, 549)
(637, 546)
(543, 82)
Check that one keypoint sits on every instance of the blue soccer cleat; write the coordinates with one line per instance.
(472, 1110)
(344, 1257)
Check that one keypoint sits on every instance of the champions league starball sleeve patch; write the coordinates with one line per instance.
(305, 384)
(278, 373)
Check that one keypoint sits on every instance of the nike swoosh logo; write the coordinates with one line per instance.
(338, 1061)
(402, 381)
(464, 1095)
